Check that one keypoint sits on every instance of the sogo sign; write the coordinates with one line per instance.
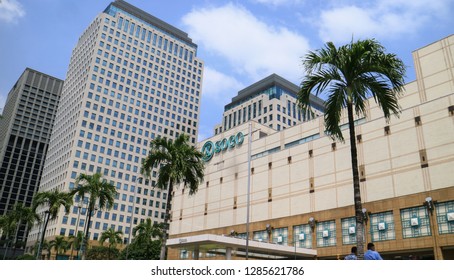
(210, 148)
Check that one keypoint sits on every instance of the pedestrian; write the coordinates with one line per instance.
(353, 254)
(371, 254)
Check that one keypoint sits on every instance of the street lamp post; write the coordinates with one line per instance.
(40, 244)
(79, 209)
(248, 188)
(312, 225)
(132, 216)
(365, 219)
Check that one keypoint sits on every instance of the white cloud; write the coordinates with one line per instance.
(385, 19)
(249, 45)
(2, 102)
(10, 10)
(277, 2)
(219, 87)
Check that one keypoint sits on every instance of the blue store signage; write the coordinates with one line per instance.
(210, 148)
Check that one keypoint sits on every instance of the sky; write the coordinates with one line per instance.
(241, 42)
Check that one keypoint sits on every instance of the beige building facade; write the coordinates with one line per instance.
(301, 191)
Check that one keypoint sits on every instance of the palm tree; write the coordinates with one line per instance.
(8, 224)
(351, 75)
(147, 231)
(101, 195)
(54, 200)
(23, 215)
(114, 237)
(178, 163)
(76, 243)
(60, 245)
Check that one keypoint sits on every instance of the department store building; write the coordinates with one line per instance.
(300, 188)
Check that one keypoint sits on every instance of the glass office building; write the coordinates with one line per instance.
(25, 131)
(132, 77)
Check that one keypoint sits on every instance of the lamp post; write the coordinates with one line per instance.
(365, 219)
(430, 204)
(85, 239)
(312, 224)
(132, 216)
(248, 188)
(79, 209)
(40, 244)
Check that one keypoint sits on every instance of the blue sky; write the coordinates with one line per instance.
(241, 42)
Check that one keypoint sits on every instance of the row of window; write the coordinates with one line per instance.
(415, 222)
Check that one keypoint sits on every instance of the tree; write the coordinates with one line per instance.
(101, 195)
(23, 215)
(60, 245)
(8, 224)
(136, 251)
(54, 200)
(114, 237)
(178, 163)
(143, 245)
(76, 243)
(145, 232)
(351, 75)
(102, 253)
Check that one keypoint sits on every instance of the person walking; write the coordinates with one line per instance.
(371, 254)
(353, 254)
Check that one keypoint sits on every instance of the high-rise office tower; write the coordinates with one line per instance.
(25, 131)
(131, 78)
(270, 101)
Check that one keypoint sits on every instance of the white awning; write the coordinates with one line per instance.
(221, 243)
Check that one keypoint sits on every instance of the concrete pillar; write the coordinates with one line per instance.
(228, 253)
(196, 252)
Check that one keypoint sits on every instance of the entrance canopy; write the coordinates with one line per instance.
(221, 243)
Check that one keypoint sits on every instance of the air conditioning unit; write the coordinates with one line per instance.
(279, 239)
(450, 216)
(351, 230)
(325, 233)
(301, 236)
(414, 222)
(381, 226)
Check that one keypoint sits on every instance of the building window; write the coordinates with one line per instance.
(349, 230)
(451, 110)
(326, 233)
(418, 120)
(415, 222)
(279, 236)
(382, 226)
(302, 235)
(445, 217)
(261, 236)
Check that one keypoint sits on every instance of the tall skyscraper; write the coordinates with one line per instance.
(25, 131)
(131, 78)
(270, 101)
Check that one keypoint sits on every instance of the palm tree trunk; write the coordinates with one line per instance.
(356, 187)
(6, 249)
(166, 223)
(15, 237)
(40, 248)
(87, 231)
